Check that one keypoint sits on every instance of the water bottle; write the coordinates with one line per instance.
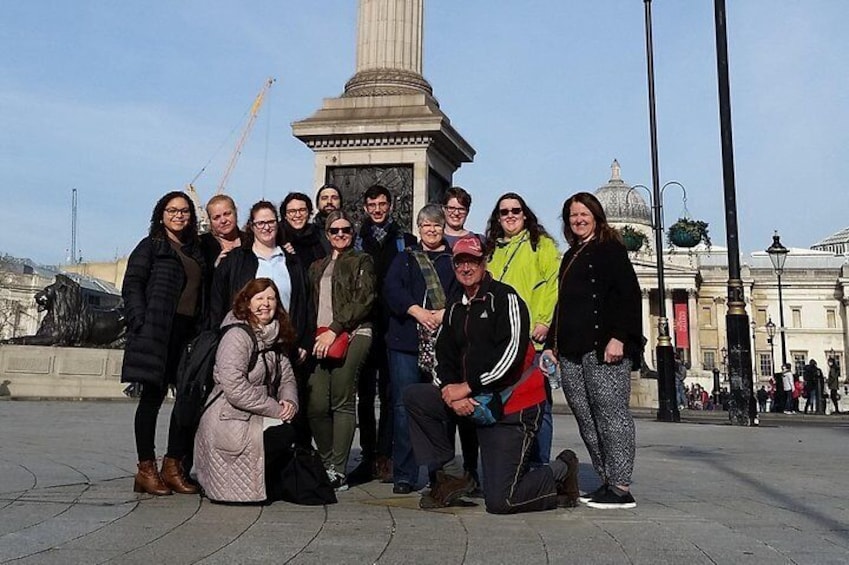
(552, 371)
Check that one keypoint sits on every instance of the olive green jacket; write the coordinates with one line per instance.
(353, 288)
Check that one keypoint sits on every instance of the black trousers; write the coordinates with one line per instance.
(180, 439)
(373, 383)
(505, 448)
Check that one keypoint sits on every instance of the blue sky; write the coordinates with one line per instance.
(125, 101)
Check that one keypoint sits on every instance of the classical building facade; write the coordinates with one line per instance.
(814, 289)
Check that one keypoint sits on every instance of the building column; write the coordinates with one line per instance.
(692, 314)
(670, 313)
(647, 327)
(721, 328)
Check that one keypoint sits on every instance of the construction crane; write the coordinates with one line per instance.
(203, 220)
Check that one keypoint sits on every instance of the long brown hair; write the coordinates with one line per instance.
(603, 230)
(242, 309)
(494, 231)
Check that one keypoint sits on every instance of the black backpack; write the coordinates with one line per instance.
(194, 373)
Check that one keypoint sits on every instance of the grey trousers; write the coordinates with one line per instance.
(598, 395)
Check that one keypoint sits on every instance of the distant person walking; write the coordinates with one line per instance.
(788, 387)
(833, 383)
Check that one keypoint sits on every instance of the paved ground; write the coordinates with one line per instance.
(706, 493)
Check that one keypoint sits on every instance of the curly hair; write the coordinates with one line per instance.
(494, 231)
(157, 227)
(603, 230)
(242, 310)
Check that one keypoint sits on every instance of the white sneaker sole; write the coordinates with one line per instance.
(609, 506)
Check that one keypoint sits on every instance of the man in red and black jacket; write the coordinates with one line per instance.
(484, 348)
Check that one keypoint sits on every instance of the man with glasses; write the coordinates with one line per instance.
(382, 238)
(484, 348)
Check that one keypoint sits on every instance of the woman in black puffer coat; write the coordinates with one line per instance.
(164, 298)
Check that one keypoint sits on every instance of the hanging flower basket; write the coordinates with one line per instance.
(632, 238)
(688, 233)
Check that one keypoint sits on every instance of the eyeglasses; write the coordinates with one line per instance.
(296, 211)
(264, 224)
(431, 227)
(467, 261)
(347, 230)
(372, 206)
(459, 210)
(178, 211)
(504, 212)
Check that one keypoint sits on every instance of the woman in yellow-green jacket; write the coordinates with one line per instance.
(523, 255)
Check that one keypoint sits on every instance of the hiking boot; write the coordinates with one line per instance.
(172, 476)
(449, 488)
(382, 470)
(613, 499)
(148, 480)
(585, 498)
(567, 488)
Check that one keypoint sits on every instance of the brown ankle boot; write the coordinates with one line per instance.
(172, 476)
(148, 479)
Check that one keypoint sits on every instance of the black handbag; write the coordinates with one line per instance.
(304, 479)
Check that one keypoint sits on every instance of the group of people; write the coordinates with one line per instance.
(452, 331)
(808, 386)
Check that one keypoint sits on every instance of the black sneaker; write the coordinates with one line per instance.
(612, 500)
(585, 498)
(402, 488)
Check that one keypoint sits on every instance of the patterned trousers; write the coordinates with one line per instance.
(598, 395)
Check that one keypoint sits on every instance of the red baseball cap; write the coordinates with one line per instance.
(468, 245)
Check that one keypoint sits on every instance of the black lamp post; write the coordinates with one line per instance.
(778, 255)
(778, 390)
(742, 408)
(667, 410)
(770, 332)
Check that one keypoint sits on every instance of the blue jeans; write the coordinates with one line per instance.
(403, 372)
(541, 452)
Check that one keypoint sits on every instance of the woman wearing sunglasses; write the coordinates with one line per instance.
(343, 286)
(523, 255)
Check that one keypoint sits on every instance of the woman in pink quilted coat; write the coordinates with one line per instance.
(235, 460)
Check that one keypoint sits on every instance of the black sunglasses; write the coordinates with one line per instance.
(505, 211)
(348, 230)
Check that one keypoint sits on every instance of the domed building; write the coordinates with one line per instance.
(816, 299)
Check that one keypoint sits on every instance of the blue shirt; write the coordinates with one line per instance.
(275, 269)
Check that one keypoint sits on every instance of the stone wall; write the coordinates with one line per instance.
(29, 371)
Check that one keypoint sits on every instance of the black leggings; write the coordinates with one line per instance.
(179, 438)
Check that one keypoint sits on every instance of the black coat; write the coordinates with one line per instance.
(383, 253)
(239, 267)
(598, 299)
(151, 290)
(307, 243)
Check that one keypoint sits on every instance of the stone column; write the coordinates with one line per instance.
(647, 326)
(721, 330)
(693, 315)
(389, 49)
(670, 313)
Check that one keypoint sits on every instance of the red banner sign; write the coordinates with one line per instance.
(682, 326)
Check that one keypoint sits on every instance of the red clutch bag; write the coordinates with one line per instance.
(339, 348)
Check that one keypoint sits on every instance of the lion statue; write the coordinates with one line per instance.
(72, 322)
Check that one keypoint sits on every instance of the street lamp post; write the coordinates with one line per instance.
(667, 410)
(778, 386)
(754, 326)
(778, 255)
(742, 406)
